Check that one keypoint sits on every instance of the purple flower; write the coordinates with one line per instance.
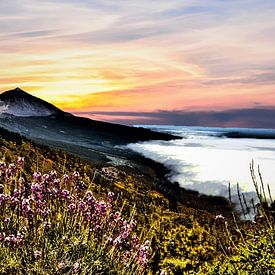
(102, 208)
(144, 253)
(135, 241)
(61, 265)
(7, 220)
(16, 193)
(111, 197)
(71, 207)
(53, 174)
(2, 236)
(65, 194)
(80, 185)
(88, 195)
(47, 226)
(117, 216)
(76, 267)
(66, 179)
(81, 205)
(45, 178)
(2, 166)
(76, 175)
(56, 183)
(11, 170)
(20, 162)
(36, 176)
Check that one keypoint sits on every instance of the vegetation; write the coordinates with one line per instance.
(62, 215)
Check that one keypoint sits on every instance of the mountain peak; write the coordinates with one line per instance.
(20, 103)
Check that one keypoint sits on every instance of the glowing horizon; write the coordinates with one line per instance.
(97, 56)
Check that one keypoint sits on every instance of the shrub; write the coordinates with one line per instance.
(54, 225)
(253, 252)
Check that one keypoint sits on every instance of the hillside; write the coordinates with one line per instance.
(132, 189)
(184, 236)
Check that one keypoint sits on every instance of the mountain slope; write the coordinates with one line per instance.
(19, 103)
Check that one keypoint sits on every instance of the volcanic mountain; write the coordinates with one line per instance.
(43, 122)
(19, 103)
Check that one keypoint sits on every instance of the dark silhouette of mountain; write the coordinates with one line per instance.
(18, 102)
(45, 123)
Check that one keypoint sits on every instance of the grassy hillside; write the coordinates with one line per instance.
(161, 237)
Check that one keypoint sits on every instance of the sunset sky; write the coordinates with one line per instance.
(138, 61)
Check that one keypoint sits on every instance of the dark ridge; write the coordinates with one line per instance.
(249, 135)
(111, 130)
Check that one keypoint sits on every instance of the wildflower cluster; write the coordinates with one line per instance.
(57, 218)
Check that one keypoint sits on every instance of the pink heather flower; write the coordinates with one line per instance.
(81, 205)
(46, 212)
(76, 267)
(71, 207)
(133, 224)
(36, 176)
(53, 174)
(80, 185)
(144, 253)
(20, 162)
(2, 166)
(163, 272)
(11, 240)
(126, 256)
(76, 175)
(1, 188)
(102, 208)
(46, 178)
(11, 170)
(98, 227)
(135, 240)
(117, 216)
(61, 265)
(65, 194)
(33, 188)
(16, 193)
(111, 197)
(109, 241)
(88, 195)
(66, 179)
(56, 183)
(7, 220)
(2, 236)
(37, 254)
(47, 226)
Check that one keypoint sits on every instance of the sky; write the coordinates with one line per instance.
(143, 62)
